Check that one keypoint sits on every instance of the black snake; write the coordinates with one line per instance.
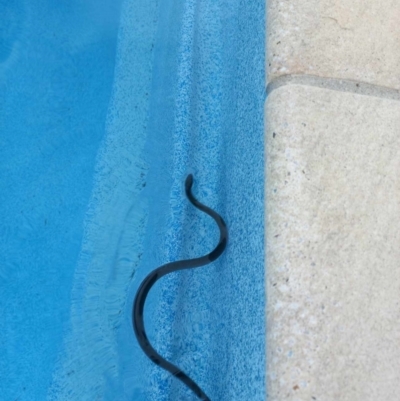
(151, 278)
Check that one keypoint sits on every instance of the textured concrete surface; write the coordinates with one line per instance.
(333, 242)
(356, 40)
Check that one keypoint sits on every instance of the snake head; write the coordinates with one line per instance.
(189, 183)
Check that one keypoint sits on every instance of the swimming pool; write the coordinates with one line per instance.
(106, 108)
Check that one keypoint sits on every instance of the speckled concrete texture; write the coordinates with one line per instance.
(356, 40)
(333, 239)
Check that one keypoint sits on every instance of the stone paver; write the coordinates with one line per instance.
(357, 40)
(332, 243)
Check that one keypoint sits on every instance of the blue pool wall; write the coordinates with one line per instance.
(56, 77)
(184, 94)
(206, 108)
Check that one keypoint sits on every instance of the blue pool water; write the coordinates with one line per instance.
(106, 106)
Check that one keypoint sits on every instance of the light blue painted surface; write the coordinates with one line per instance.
(95, 147)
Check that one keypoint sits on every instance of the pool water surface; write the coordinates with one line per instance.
(106, 106)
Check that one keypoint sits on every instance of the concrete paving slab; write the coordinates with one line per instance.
(355, 40)
(332, 245)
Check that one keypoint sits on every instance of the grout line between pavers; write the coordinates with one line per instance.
(340, 85)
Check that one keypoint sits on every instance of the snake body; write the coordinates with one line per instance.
(151, 278)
